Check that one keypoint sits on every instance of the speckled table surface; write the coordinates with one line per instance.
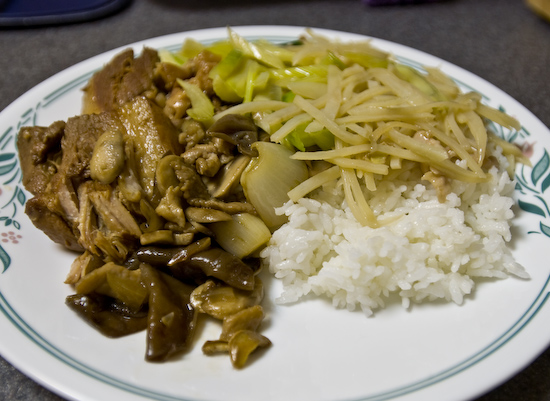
(502, 41)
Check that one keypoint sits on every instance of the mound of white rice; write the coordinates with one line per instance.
(431, 251)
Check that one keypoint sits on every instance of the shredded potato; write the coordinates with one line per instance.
(380, 114)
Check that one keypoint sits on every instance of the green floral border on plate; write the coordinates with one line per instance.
(531, 184)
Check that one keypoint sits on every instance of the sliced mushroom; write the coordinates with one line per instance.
(153, 221)
(157, 237)
(243, 343)
(172, 319)
(246, 319)
(115, 281)
(107, 315)
(173, 171)
(229, 177)
(238, 130)
(171, 207)
(165, 174)
(217, 263)
(228, 207)
(82, 265)
(183, 254)
(94, 280)
(239, 336)
(164, 256)
(219, 300)
(126, 285)
(206, 215)
(213, 347)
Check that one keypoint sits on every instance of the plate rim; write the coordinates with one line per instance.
(289, 31)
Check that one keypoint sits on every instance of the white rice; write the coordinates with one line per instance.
(432, 251)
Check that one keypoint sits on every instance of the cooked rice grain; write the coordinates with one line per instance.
(428, 251)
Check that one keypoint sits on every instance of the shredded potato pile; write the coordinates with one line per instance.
(355, 107)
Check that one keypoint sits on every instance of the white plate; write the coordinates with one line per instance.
(432, 352)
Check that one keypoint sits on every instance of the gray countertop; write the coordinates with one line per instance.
(502, 41)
